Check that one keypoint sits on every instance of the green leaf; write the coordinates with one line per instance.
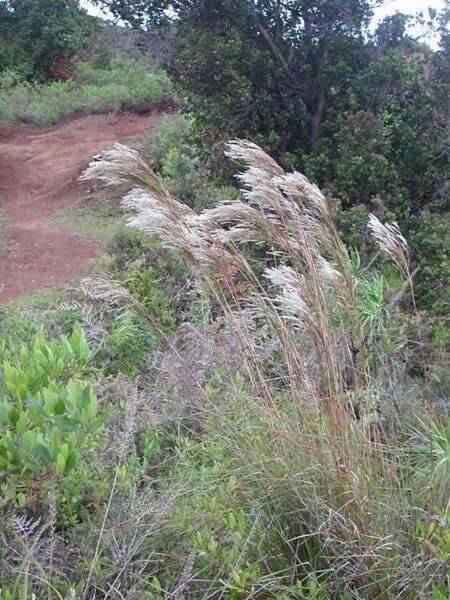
(43, 453)
(21, 424)
(70, 460)
(28, 441)
(79, 345)
(60, 463)
(65, 423)
(13, 415)
(59, 406)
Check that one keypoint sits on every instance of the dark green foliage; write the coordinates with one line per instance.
(35, 35)
(171, 151)
(249, 68)
(387, 154)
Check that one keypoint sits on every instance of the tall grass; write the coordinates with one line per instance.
(345, 490)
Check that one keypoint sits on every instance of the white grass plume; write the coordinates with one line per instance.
(121, 165)
(253, 156)
(297, 187)
(103, 287)
(291, 298)
(390, 239)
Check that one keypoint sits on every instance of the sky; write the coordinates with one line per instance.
(388, 8)
(391, 6)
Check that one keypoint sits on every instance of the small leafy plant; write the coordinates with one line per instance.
(48, 415)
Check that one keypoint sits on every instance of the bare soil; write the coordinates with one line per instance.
(39, 168)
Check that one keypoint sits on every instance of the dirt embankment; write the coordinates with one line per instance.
(39, 167)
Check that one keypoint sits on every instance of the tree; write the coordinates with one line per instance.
(35, 34)
(300, 55)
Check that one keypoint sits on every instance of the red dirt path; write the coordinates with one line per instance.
(39, 167)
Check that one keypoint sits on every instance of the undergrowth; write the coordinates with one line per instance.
(122, 83)
(171, 152)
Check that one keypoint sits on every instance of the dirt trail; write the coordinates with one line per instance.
(39, 167)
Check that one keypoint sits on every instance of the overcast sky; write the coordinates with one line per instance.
(390, 7)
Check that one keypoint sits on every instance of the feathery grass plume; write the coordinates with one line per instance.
(329, 273)
(121, 165)
(140, 200)
(230, 212)
(291, 212)
(155, 215)
(390, 239)
(253, 156)
(291, 298)
(303, 192)
(283, 211)
(103, 287)
(301, 422)
(157, 212)
(341, 287)
(275, 210)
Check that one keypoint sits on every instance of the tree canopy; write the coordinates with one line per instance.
(35, 34)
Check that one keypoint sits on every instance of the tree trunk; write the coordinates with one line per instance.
(317, 118)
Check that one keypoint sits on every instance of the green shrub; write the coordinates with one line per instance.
(37, 36)
(170, 151)
(124, 83)
(139, 80)
(48, 416)
(172, 132)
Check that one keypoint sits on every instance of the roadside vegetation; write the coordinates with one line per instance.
(123, 83)
(250, 398)
(57, 62)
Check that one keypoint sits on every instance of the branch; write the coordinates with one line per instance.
(269, 41)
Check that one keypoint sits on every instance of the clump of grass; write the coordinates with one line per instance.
(337, 498)
(123, 83)
(99, 219)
